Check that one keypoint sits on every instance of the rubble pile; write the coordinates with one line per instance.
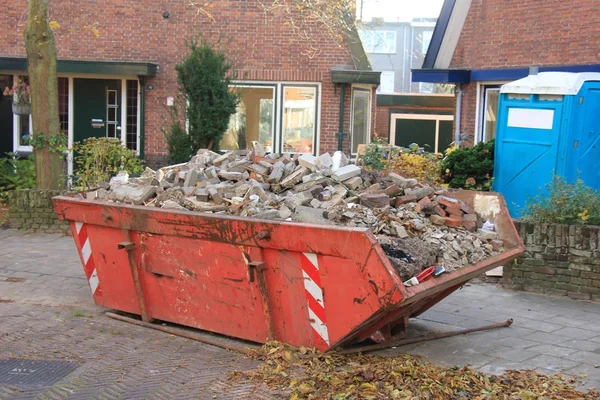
(417, 225)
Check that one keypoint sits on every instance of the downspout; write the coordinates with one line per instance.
(341, 133)
(459, 94)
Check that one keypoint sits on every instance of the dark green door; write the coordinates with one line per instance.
(97, 108)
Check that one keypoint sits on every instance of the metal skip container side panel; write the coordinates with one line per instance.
(109, 276)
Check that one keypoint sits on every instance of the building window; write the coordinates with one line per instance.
(253, 121)
(488, 112)
(131, 126)
(22, 123)
(361, 117)
(112, 108)
(63, 104)
(387, 82)
(430, 131)
(299, 119)
(426, 40)
(283, 118)
(383, 42)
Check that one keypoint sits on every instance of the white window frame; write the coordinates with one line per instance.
(278, 108)
(428, 117)
(479, 109)
(362, 88)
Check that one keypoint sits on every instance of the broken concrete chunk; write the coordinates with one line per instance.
(310, 215)
(308, 161)
(400, 230)
(231, 176)
(345, 173)
(371, 200)
(314, 203)
(353, 183)
(393, 190)
(267, 214)
(173, 194)
(259, 169)
(419, 193)
(191, 178)
(195, 205)
(324, 161)
(258, 149)
(277, 172)
(339, 160)
(437, 220)
(172, 205)
(230, 155)
(137, 195)
(289, 169)
(214, 194)
(403, 182)
(294, 178)
(484, 234)
(202, 195)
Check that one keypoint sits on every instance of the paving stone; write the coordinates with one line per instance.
(552, 363)
(576, 333)
(515, 355)
(585, 357)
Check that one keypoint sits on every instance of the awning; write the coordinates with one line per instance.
(355, 76)
(87, 67)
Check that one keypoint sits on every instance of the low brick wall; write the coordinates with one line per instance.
(560, 259)
(32, 210)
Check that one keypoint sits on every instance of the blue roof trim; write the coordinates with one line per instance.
(482, 75)
(438, 34)
(510, 74)
(441, 75)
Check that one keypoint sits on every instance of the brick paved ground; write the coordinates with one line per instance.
(47, 312)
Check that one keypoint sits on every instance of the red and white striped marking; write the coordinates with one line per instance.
(314, 296)
(85, 250)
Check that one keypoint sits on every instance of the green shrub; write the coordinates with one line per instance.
(204, 78)
(566, 203)
(99, 159)
(16, 173)
(179, 144)
(470, 167)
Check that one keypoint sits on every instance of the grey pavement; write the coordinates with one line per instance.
(47, 313)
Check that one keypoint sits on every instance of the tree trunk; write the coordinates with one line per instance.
(41, 60)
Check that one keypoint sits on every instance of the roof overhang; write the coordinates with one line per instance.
(488, 75)
(355, 76)
(87, 67)
(446, 34)
(441, 75)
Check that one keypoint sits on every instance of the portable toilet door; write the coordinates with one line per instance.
(582, 149)
(536, 131)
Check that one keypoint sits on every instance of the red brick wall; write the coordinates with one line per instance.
(501, 33)
(263, 47)
(523, 33)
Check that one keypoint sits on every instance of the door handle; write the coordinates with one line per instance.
(118, 128)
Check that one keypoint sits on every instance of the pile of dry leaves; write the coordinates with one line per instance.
(307, 374)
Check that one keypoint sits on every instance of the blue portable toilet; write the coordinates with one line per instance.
(547, 123)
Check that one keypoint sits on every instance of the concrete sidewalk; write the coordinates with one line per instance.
(47, 313)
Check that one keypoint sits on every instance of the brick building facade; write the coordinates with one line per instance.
(119, 83)
(481, 44)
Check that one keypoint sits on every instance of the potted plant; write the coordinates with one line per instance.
(21, 98)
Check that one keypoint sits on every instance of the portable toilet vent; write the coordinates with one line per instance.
(548, 124)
